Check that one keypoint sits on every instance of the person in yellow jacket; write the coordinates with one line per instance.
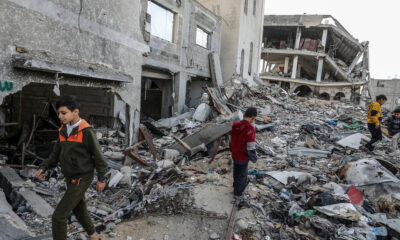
(374, 119)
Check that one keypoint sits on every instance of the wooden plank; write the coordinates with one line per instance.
(137, 158)
(149, 142)
(231, 221)
(182, 143)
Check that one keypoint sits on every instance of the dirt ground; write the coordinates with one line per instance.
(156, 227)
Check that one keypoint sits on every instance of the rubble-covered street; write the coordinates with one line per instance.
(311, 180)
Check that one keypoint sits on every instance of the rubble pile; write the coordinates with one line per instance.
(311, 180)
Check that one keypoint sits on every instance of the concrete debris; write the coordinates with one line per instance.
(12, 226)
(311, 180)
(202, 112)
(353, 141)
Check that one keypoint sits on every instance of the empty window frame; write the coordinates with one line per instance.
(246, 3)
(202, 38)
(162, 21)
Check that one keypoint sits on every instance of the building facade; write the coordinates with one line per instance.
(181, 36)
(242, 22)
(388, 87)
(90, 49)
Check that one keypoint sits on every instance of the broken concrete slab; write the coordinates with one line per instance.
(173, 121)
(302, 151)
(353, 141)
(11, 225)
(35, 203)
(207, 134)
(9, 180)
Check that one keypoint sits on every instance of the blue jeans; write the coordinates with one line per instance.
(239, 177)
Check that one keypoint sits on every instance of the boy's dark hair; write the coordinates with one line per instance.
(383, 97)
(397, 110)
(251, 112)
(68, 101)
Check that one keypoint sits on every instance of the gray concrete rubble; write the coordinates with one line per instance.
(311, 179)
(12, 226)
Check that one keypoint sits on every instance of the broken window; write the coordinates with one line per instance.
(162, 21)
(254, 7)
(245, 6)
(380, 84)
(251, 58)
(202, 38)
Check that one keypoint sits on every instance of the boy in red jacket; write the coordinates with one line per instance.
(243, 148)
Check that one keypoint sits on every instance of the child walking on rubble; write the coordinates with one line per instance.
(79, 154)
(393, 124)
(243, 148)
(374, 119)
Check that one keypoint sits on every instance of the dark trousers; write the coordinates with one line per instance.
(239, 178)
(74, 202)
(376, 134)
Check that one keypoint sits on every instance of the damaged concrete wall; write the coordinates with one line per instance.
(182, 57)
(388, 87)
(95, 35)
(239, 30)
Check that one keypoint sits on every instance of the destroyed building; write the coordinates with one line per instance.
(314, 55)
(183, 37)
(90, 50)
(388, 87)
(242, 22)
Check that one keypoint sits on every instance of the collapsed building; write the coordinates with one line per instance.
(314, 55)
(90, 50)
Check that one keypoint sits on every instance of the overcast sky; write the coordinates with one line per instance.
(367, 20)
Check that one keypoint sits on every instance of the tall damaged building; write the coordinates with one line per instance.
(242, 22)
(182, 35)
(314, 55)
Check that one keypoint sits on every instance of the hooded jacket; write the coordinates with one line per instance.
(79, 153)
(374, 113)
(393, 125)
(243, 142)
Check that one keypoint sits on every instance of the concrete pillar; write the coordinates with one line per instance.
(321, 60)
(324, 37)
(320, 66)
(296, 58)
(286, 68)
(180, 91)
(298, 38)
(294, 68)
(298, 71)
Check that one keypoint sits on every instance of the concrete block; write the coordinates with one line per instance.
(9, 180)
(11, 225)
(202, 112)
(126, 178)
(170, 154)
(35, 203)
